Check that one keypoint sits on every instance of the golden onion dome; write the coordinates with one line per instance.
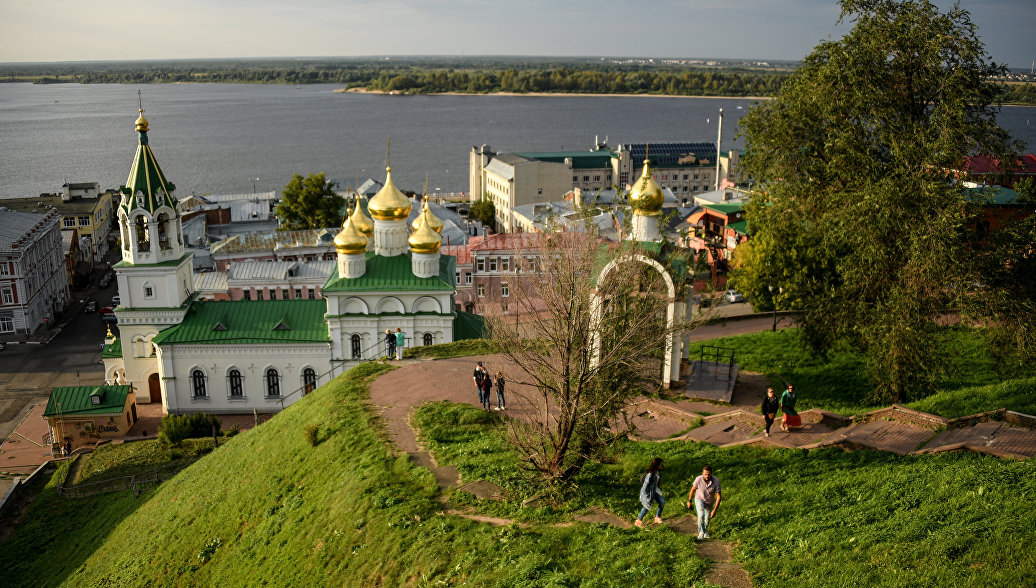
(361, 221)
(389, 204)
(425, 239)
(433, 220)
(350, 241)
(646, 197)
(141, 123)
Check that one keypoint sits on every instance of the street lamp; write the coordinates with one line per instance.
(253, 185)
(780, 290)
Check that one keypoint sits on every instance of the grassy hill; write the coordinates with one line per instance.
(266, 508)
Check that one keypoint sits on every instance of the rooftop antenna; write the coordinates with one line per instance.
(425, 191)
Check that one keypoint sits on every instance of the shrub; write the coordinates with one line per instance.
(176, 427)
(312, 434)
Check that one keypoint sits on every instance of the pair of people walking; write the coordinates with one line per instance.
(395, 342)
(484, 385)
(704, 494)
(786, 405)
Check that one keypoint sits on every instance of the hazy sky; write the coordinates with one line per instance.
(76, 30)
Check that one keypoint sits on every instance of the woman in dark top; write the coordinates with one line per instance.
(501, 404)
(390, 343)
(770, 406)
(487, 385)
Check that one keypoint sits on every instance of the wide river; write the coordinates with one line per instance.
(219, 138)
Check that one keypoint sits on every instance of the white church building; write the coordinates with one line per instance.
(239, 356)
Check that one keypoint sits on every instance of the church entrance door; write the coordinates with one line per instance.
(154, 388)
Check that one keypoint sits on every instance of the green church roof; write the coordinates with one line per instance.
(76, 400)
(112, 350)
(386, 274)
(250, 322)
(146, 187)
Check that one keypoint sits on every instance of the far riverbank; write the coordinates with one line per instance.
(542, 94)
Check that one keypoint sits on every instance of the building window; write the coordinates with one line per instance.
(575, 178)
(480, 264)
(685, 177)
(247, 294)
(69, 222)
(84, 221)
(696, 188)
(5, 270)
(505, 264)
(492, 264)
(273, 382)
(505, 290)
(8, 296)
(586, 178)
(309, 380)
(312, 294)
(481, 290)
(356, 346)
(6, 324)
(198, 384)
(503, 308)
(457, 278)
(298, 293)
(259, 294)
(467, 278)
(685, 188)
(705, 177)
(597, 178)
(236, 389)
(149, 292)
(428, 339)
(696, 176)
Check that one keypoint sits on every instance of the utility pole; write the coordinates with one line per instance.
(719, 142)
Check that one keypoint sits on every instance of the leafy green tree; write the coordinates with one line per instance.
(1026, 188)
(309, 203)
(850, 218)
(484, 211)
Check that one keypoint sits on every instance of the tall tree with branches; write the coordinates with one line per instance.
(585, 346)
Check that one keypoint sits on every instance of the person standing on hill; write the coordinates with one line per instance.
(770, 407)
(790, 418)
(390, 343)
(650, 492)
(487, 387)
(400, 342)
(479, 375)
(705, 494)
(501, 404)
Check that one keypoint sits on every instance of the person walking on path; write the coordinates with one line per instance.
(705, 494)
(479, 375)
(770, 407)
(400, 342)
(650, 492)
(790, 418)
(390, 343)
(487, 387)
(501, 404)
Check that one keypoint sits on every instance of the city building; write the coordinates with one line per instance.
(81, 415)
(83, 207)
(984, 169)
(227, 356)
(33, 271)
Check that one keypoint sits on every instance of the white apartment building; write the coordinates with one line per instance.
(33, 277)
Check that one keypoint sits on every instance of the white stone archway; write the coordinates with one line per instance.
(671, 364)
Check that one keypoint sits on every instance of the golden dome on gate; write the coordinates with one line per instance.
(389, 204)
(141, 123)
(433, 220)
(350, 241)
(361, 221)
(425, 239)
(646, 197)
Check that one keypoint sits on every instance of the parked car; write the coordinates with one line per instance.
(106, 279)
(90, 306)
(108, 314)
(116, 300)
(734, 296)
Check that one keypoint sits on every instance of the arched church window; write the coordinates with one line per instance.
(273, 382)
(235, 384)
(356, 346)
(309, 380)
(428, 339)
(140, 228)
(198, 384)
(163, 231)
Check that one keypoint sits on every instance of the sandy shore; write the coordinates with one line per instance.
(547, 94)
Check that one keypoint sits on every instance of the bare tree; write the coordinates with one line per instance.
(586, 346)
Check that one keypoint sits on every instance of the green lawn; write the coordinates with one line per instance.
(823, 518)
(267, 509)
(838, 382)
(127, 459)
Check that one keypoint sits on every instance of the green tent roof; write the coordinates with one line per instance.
(146, 187)
(76, 400)
(386, 274)
(724, 208)
(994, 194)
(580, 159)
(113, 350)
(468, 326)
(250, 322)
